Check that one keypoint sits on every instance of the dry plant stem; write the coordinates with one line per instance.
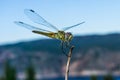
(68, 63)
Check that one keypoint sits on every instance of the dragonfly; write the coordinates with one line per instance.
(64, 37)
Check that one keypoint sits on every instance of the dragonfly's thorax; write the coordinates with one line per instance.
(61, 35)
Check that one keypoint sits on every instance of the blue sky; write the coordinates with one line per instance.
(100, 16)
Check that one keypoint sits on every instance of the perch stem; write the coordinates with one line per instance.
(68, 63)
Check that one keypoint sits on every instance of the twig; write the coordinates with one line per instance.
(68, 63)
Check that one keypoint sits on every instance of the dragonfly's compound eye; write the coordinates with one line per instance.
(68, 33)
(69, 36)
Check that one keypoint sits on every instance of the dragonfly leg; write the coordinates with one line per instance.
(67, 44)
(63, 49)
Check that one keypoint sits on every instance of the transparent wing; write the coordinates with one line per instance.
(38, 19)
(66, 28)
(29, 26)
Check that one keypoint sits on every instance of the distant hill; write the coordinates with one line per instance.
(100, 52)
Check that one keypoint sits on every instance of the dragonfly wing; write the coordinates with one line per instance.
(29, 26)
(66, 28)
(38, 19)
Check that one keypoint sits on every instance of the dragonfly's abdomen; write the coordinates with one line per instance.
(51, 35)
(59, 36)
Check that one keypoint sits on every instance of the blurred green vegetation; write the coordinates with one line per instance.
(108, 77)
(10, 72)
(30, 72)
(2, 78)
(93, 77)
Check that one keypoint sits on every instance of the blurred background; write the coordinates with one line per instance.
(97, 41)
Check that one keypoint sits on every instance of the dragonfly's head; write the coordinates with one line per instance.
(68, 36)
